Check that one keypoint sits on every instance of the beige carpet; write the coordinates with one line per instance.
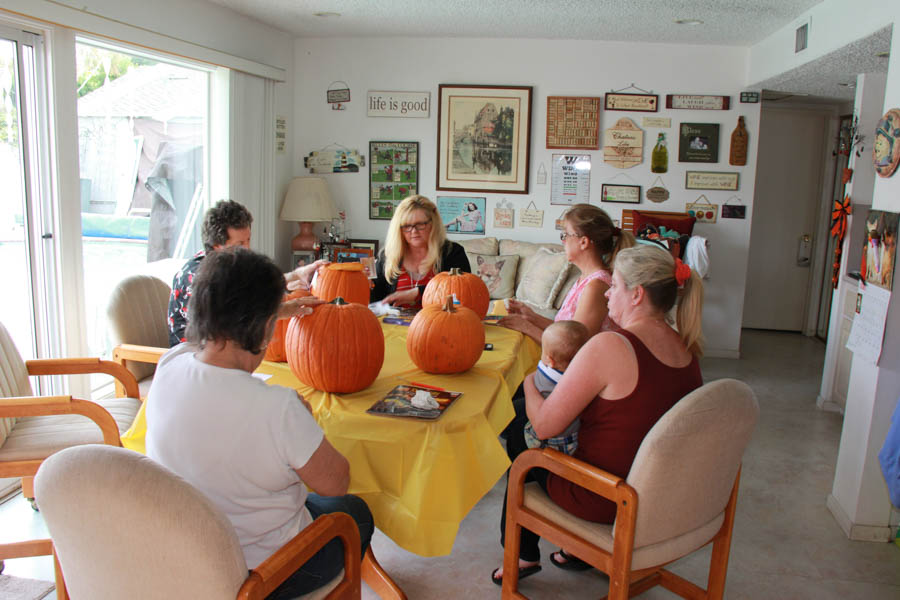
(18, 588)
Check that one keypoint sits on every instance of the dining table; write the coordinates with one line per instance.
(419, 477)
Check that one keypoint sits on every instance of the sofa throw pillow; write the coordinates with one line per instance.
(481, 245)
(497, 272)
(546, 274)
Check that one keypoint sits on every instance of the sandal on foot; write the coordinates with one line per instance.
(523, 573)
(569, 562)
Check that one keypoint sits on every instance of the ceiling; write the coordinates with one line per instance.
(725, 22)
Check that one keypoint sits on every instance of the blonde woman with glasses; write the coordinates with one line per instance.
(415, 250)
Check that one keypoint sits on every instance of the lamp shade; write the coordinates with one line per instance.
(307, 199)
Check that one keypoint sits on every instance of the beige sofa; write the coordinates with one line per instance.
(537, 274)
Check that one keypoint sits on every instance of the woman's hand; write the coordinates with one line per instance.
(298, 279)
(515, 307)
(515, 322)
(405, 297)
(298, 307)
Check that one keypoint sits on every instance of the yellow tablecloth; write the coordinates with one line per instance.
(419, 478)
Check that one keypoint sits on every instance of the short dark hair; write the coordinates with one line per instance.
(234, 294)
(225, 214)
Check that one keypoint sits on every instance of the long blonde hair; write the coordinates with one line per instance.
(593, 223)
(395, 245)
(654, 270)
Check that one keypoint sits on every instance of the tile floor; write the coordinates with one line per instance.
(786, 543)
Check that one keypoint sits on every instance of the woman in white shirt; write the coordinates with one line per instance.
(252, 448)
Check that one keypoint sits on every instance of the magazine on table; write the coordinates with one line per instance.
(411, 400)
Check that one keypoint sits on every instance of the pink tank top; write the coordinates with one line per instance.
(567, 310)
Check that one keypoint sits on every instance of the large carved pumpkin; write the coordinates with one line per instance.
(470, 290)
(338, 348)
(345, 280)
(275, 350)
(444, 338)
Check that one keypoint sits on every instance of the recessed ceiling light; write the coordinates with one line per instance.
(883, 54)
(688, 22)
(326, 14)
(847, 85)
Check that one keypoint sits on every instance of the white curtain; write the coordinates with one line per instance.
(252, 156)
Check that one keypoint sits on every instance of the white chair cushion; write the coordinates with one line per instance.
(601, 535)
(13, 378)
(35, 438)
(137, 312)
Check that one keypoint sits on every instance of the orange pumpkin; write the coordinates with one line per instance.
(444, 338)
(469, 289)
(345, 280)
(338, 348)
(275, 349)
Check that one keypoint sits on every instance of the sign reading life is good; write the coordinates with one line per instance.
(409, 105)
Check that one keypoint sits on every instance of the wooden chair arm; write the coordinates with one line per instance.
(137, 353)
(39, 406)
(577, 471)
(273, 571)
(80, 366)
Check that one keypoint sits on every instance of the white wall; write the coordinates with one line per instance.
(553, 68)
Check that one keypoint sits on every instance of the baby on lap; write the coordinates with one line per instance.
(559, 344)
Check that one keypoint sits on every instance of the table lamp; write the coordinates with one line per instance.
(307, 201)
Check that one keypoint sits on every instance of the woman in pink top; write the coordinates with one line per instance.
(591, 242)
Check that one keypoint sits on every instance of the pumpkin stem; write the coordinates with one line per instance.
(339, 301)
(455, 271)
(448, 304)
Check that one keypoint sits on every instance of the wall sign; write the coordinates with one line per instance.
(623, 144)
(280, 134)
(531, 216)
(698, 142)
(632, 102)
(710, 180)
(504, 215)
(694, 102)
(749, 97)
(571, 180)
(408, 105)
(629, 194)
(702, 210)
(661, 122)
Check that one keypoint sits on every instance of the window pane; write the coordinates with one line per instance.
(143, 142)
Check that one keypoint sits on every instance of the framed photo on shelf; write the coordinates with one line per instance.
(342, 255)
(628, 194)
(462, 214)
(370, 244)
(484, 138)
(698, 142)
(303, 257)
(393, 175)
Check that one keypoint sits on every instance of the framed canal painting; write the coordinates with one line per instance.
(484, 138)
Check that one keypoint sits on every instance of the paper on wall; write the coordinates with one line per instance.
(867, 331)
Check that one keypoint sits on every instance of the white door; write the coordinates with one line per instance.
(788, 188)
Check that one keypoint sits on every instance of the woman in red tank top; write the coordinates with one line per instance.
(619, 385)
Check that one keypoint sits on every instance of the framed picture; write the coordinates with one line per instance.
(370, 244)
(329, 250)
(573, 122)
(462, 214)
(393, 175)
(710, 180)
(303, 257)
(342, 255)
(484, 138)
(698, 142)
(629, 194)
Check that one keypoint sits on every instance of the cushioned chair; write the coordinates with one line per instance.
(679, 496)
(34, 427)
(137, 312)
(124, 526)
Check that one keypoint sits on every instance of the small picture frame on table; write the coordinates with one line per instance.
(303, 257)
(371, 244)
(344, 255)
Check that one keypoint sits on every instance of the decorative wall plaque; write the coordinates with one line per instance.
(698, 142)
(629, 194)
(710, 180)
(739, 137)
(657, 193)
(694, 102)
(623, 144)
(886, 150)
(632, 102)
(573, 122)
(702, 209)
